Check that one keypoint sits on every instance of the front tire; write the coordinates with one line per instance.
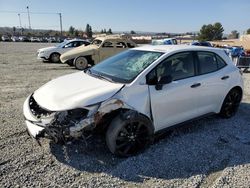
(128, 136)
(81, 63)
(54, 58)
(231, 103)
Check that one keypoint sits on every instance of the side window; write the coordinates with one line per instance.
(120, 45)
(130, 45)
(107, 45)
(179, 66)
(69, 45)
(76, 44)
(209, 62)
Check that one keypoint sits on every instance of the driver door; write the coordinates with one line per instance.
(174, 102)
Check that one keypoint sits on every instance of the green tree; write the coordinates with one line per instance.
(234, 35)
(132, 32)
(14, 30)
(248, 31)
(76, 33)
(88, 31)
(71, 30)
(211, 32)
(110, 31)
(218, 31)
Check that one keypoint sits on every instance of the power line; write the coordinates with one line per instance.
(15, 12)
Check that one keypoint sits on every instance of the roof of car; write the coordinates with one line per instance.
(76, 40)
(171, 48)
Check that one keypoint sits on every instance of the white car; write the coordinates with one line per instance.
(135, 94)
(53, 53)
(5, 38)
(166, 41)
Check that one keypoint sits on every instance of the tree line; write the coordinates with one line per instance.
(215, 31)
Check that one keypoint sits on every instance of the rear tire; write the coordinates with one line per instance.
(81, 63)
(231, 103)
(128, 136)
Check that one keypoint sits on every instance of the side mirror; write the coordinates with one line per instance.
(162, 81)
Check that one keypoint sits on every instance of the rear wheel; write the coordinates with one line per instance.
(231, 103)
(81, 63)
(126, 137)
(54, 58)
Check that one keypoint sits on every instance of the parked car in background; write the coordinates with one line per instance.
(135, 94)
(34, 39)
(53, 53)
(15, 39)
(166, 41)
(237, 51)
(5, 38)
(24, 39)
(202, 43)
(52, 40)
(100, 49)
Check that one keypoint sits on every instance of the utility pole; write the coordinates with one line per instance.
(60, 15)
(20, 23)
(28, 16)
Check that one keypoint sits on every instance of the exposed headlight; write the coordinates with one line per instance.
(42, 52)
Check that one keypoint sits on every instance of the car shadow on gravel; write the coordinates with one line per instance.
(201, 148)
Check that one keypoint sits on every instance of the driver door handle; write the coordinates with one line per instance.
(195, 85)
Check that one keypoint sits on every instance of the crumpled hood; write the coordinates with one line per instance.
(46, 49)
(79, 51)
(74, 91)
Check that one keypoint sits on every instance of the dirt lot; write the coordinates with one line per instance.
(211, 152)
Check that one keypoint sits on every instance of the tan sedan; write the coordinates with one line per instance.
(100, 49)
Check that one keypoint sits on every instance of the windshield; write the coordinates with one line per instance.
(126, 66)
(96, 42)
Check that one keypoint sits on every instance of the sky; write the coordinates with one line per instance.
(174, 16)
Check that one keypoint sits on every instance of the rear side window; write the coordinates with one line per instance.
(120, 45)
(107, 45)
(209, 62)
(220, 62)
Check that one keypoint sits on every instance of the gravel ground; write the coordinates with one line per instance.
(211, 152)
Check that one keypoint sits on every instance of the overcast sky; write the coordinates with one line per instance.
(126, 15)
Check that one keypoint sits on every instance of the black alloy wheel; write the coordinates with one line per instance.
(231, 103)
(128, 137)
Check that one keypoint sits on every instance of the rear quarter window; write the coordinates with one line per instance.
(209, 62)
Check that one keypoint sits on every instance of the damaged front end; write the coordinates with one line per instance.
(63, 125)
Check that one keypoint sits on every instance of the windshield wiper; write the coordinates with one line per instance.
(102, 77)
(98, 75)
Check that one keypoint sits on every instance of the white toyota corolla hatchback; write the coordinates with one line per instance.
(135, 94)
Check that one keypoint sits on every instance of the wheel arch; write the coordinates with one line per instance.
(239, 88)
(114, 108)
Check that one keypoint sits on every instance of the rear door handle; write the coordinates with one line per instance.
(195, 85)
(224, 77)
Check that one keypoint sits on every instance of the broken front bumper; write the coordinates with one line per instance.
(34, 130)
(58, 126)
